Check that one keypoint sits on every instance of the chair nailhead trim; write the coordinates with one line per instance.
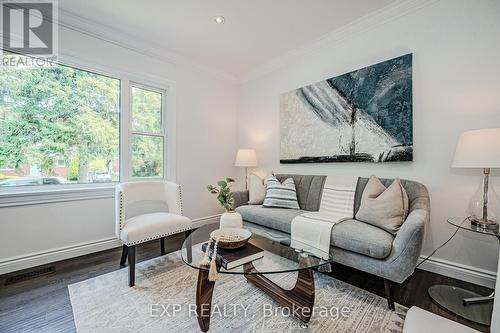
(156, 237)
(121, 209)
(179, 196)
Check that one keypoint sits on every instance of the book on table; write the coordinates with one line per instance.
(229, 259)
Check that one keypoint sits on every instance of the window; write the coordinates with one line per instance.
(53, 112)
(148, 137)
(61, 125)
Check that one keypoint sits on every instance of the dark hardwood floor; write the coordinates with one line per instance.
(42, 304)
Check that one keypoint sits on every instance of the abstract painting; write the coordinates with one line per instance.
(362, 116)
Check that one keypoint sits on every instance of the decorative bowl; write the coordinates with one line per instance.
(231, 238)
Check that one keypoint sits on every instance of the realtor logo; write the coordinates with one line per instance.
(28, 27)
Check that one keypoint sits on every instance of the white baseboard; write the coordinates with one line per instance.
(470, 274)
(206, 220)
(439, 266)
(53, 255)
(45, 257)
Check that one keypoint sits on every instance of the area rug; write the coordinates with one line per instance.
(164, 296)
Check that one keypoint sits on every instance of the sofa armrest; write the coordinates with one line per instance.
(240, 198)
(407, 245)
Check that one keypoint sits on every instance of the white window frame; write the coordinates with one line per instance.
(28, 195)
(162, 134)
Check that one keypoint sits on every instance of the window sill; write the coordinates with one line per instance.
(43, 195)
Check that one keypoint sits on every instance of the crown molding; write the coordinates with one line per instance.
(368, 22)
(78, 23)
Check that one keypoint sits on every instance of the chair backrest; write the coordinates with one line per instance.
(309, 189)
(137, 198)
(418, 196)
(144, 197)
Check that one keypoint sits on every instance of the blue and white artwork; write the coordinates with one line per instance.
(362, 116)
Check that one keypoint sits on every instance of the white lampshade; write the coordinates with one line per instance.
(246, 158)
(478, 149)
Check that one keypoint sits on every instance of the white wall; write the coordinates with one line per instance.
(456, 77)
(205, 144)
(456, 85)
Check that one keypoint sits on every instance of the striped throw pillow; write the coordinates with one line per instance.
(281, 195)
(337, 201)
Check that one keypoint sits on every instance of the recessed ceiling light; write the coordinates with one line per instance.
(219, 19)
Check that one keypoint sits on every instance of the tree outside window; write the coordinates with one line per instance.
(61, 125)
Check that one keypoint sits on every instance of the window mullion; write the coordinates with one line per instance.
(125, 133)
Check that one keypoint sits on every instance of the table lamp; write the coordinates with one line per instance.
(246, 158)
(480, 149)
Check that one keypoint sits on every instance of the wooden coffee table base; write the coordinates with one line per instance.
(299, 299)
(204, 291)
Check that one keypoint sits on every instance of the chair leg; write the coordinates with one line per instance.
(162, 245)
(124, 256)
(131, 266)
(389, 294)
(189, 246)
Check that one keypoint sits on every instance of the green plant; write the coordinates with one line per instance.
(73, 169)
(224, 194)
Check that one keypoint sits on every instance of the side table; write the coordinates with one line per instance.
(462, 302)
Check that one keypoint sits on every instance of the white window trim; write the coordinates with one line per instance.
(29, 195)
(163, 130)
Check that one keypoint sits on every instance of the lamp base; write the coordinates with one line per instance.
(484, 224)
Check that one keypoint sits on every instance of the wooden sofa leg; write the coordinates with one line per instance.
(131, 266)
(162, 245)
(389, 294)
(124, 255)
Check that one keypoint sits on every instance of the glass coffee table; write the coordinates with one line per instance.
(279, 257)
(462, 302)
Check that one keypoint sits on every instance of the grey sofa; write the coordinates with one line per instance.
(355, 243)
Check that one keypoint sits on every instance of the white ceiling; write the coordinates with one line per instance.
(255, 30)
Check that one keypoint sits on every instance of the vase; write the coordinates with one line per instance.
(484, 206)
(231, 219)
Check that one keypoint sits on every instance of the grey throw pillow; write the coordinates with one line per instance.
(383, 207)
(282, 195)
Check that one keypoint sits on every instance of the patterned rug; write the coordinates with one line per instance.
(164, 296)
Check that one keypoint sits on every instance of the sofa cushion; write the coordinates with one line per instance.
(362, 238)
(309, 189)
(146, 227)
(275, 218)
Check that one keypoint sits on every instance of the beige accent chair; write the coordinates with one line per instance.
(419, 320)
(146, 211)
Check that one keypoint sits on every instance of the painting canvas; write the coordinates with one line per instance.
(362, 116)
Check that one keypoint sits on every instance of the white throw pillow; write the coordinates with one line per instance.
(282, 195)
(256, 190)
(383, 207)
(337, 200)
